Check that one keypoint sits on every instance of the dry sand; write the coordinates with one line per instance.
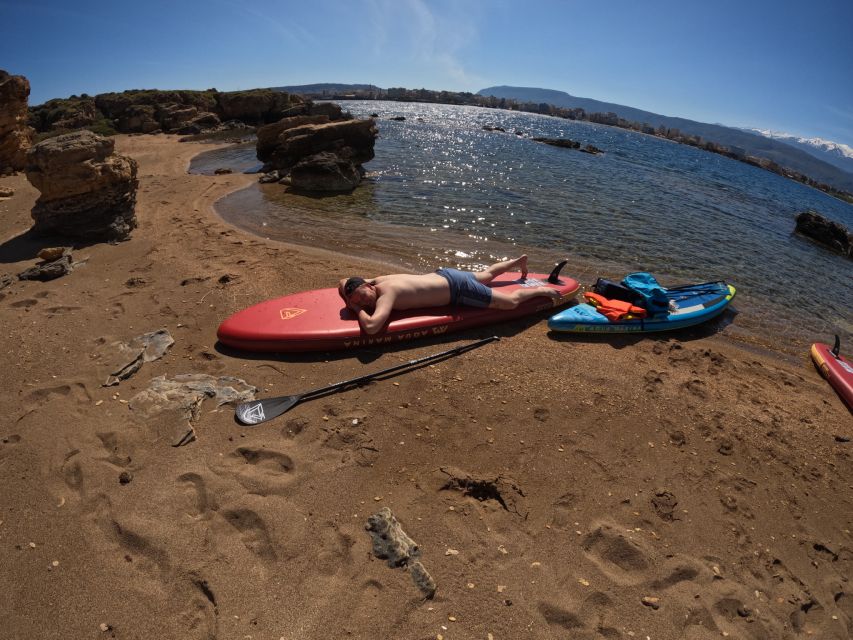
(714, 480)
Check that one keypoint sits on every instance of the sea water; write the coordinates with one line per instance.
(442, 190)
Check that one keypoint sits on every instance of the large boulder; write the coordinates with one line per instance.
(325, 171)
(15, 134)
(350, 139)
(87, 191)
(320, 155)
(329, 155)
(269, 136)
(830, 234)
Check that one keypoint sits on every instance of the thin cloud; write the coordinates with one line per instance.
(292, 32)
(435, 39)
(842, 112)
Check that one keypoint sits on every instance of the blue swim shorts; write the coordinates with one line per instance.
(465, 289)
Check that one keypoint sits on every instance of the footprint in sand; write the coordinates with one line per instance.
(262, 471)
(253, 532)
(77, 390)
(51, 312)
(565, 511)
(115, 451)
(625, 561)
(200, 616)
(558, 617)
(24, 304)
(202, 504)
(72, 472)
(587, 622)
(654, 380)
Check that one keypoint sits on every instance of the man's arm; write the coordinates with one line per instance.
(373, 322)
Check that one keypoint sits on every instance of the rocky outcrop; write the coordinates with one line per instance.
(86, 190)
(830, 234)
(320, 156)
(183, 112)
(15, 134)
(258, 106)
(325, 171)
(565, 143)
(268, 136)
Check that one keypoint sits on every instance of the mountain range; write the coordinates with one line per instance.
(805, 158)
(330, 88)
(840, 155)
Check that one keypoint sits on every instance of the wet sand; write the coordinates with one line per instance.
(551, 484)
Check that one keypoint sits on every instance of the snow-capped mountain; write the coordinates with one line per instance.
(839, 155)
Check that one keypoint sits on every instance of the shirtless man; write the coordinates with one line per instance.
(373, 300)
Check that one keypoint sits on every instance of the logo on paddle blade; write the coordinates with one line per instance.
(252, 413)
(290, 314)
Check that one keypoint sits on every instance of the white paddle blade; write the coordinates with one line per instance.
(258, 411)
(251, 413)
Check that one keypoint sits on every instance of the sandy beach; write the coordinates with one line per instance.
(618, 487)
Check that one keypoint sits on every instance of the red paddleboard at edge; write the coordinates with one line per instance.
(318, 320)
(836, 369)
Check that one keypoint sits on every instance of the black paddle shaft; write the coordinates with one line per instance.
(258, 411)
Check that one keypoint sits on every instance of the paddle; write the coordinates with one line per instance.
(258, 411)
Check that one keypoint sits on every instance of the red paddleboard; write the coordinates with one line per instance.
(319, 321)
(836, 369)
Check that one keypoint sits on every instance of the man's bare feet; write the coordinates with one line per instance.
(521, 264)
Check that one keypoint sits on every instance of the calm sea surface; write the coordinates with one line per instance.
(442, 191)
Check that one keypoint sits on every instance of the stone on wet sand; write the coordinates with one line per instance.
(392, 544)
(126, 358)
(49, 270)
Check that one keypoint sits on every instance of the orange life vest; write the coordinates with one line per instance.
(614, 310)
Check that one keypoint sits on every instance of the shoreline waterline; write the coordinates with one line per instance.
(470, 197)
(724, 327)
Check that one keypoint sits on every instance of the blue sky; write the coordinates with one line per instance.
(781, 65)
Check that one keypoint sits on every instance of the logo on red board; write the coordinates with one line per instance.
(290, 314)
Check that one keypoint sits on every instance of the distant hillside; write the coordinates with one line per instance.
(736, 139)
(328, 88)
(839, 155)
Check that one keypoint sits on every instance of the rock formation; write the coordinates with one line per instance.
(830, 234)
(183, 112)
(15, 134)
(321, 154)
(268, 136)
(86, 190)
(565, 143)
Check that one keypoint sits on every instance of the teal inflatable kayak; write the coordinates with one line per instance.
(689, 305)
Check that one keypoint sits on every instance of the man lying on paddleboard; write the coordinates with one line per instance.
(373, 300)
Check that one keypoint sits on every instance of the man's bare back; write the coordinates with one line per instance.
(373, 300)
(407, 291)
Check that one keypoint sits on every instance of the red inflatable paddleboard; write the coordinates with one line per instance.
(836, 369)
(319, 321)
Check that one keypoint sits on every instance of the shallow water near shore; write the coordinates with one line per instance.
(441, 190)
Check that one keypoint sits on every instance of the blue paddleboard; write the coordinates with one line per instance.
(693, 304)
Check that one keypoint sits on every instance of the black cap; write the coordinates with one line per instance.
(352, 284)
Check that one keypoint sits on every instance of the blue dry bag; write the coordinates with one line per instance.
(654, 296)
